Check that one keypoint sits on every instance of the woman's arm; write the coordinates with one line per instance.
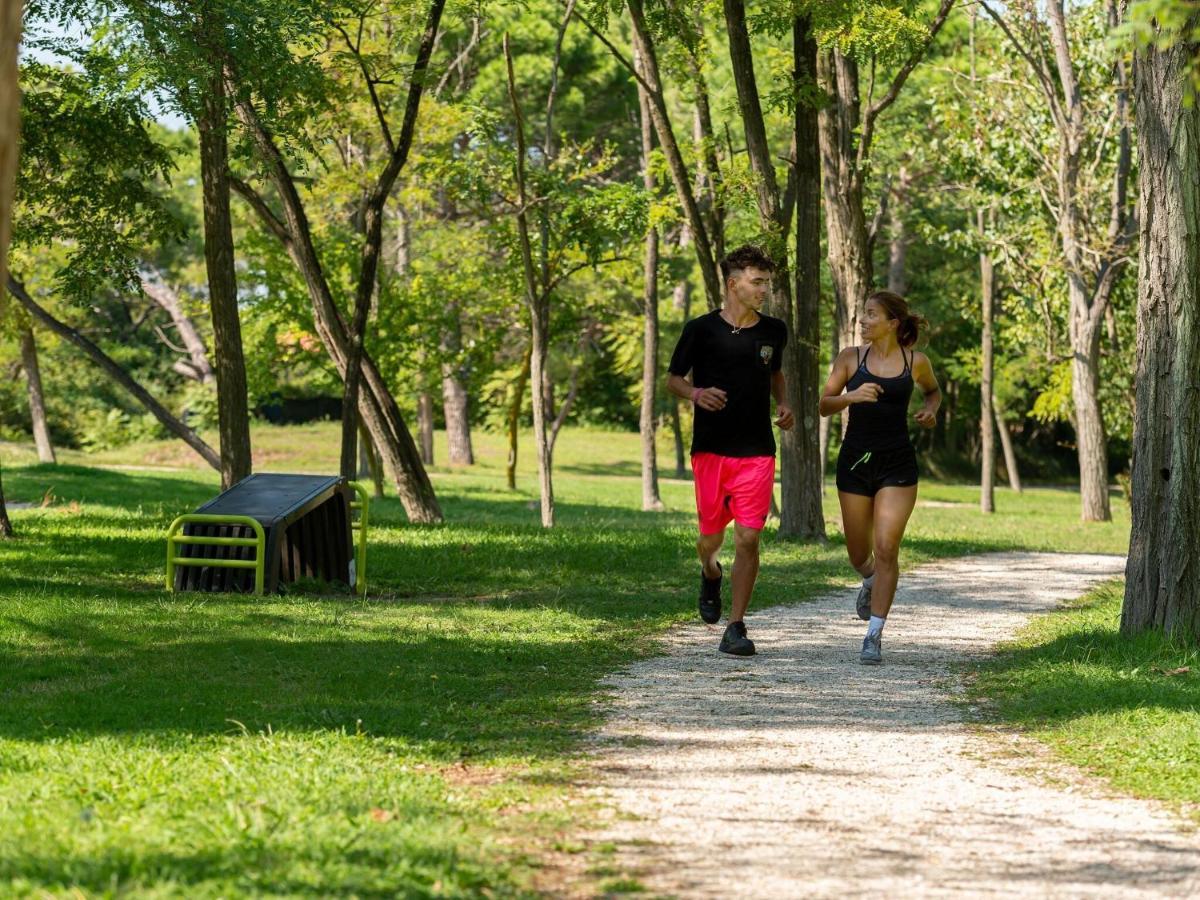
(832, 398)
(923, 375)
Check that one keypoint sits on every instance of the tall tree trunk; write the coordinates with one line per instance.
(455, 400)
(37, 402)
(701, 240)
(537, 299)
(987, 283)
(807, 517)
(898, 234)
(1010, 456)
(800, 505)
(425, 426)
(1090, 440)
(514, 417)
(846, 134)
(1162, 577)
(116, 373)
(651, 500)
(232, 413)
(376, 404)
(10, 123)
(850, 264)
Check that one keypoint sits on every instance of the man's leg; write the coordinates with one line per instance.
(707, 547)
(745, 569)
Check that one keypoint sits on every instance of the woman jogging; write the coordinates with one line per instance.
(877, 465)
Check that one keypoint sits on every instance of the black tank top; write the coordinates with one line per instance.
(882, 425)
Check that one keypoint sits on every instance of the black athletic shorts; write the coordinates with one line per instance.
(866, 471)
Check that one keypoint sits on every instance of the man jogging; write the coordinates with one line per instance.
(734, 354)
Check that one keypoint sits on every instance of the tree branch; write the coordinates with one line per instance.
(875, 109)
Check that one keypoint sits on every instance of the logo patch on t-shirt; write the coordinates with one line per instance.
(765, 352)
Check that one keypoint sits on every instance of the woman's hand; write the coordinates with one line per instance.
(925, 417)
(868, 392)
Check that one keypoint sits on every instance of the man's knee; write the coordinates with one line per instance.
(747, 540)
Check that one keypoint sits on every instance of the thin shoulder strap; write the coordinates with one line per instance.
(857, 357)
(908, 360)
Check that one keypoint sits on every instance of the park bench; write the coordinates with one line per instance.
(269, 530)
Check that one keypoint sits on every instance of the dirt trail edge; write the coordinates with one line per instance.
(801, 773)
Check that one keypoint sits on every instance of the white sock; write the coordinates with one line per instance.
(869, 580)
(875, 626)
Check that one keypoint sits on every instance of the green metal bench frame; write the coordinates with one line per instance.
(175, 537)
(360, 551)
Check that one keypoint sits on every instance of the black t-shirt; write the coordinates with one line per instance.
(740, 364)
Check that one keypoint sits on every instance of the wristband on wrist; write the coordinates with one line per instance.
(696, 393)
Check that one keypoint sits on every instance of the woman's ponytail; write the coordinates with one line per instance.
(911, 324)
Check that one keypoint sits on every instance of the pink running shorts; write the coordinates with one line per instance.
(732, 489)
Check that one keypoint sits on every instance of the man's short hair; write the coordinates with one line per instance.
(745, 257)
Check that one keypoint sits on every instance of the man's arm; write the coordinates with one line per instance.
(784, 417)
(711, 398)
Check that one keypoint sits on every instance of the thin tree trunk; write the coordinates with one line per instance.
(1162, 576)
(374, 467)
(37, 402)
(538, 302)
(455, 400)
(10, 124)
(425, 426)
(651, 500)
(514, 417)
(898, 234)
(987, 281)
(6, 529)
(644, 43)
(1090, 440)
(117, 374)
(232, 413)
(1010, 456)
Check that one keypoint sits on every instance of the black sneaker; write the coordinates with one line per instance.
(710, 596)
(735, 642)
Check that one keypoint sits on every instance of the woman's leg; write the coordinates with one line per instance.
(857, 523)
(893, 506)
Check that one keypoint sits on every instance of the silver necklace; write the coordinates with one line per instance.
(737, 329)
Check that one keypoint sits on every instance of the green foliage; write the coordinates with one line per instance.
(86, 182)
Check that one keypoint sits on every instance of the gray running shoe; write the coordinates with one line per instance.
(863, 603)
(734, 641)
(872, 651)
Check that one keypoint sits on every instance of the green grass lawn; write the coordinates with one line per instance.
(1127, 710)
(418, 743)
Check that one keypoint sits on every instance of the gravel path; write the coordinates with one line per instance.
(800, 773)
